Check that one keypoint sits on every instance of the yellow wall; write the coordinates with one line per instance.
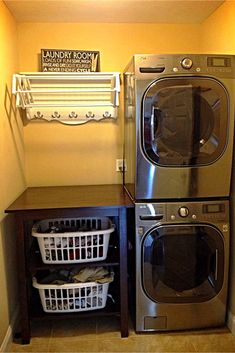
(218, 31)
(11, 168)
(65, 155)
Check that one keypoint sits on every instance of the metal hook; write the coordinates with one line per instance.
(38, 115)
(90, 115)
(107, 115)
(73, 115)
(56, 115)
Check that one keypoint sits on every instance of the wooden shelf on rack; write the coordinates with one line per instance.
(36, 264)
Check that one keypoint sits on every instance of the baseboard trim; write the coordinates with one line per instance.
(8, 339)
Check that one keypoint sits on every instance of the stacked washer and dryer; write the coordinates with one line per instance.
(179, 126)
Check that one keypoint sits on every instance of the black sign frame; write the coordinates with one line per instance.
(65, 60)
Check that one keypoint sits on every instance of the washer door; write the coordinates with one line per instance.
(182, 263)
(185, 121)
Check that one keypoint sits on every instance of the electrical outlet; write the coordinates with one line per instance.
(120, 165)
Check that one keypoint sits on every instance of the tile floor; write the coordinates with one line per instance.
(103, 335)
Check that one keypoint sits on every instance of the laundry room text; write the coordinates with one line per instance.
(55, 60)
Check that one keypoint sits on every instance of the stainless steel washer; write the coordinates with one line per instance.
(179, 123)
(181, 267)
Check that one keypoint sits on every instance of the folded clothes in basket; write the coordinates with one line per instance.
(87, 274)
(94, 274)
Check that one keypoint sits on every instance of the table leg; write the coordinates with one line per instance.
(23, 280)
(123, 272)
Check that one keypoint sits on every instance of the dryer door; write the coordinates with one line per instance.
(184, 121)
(182, 263)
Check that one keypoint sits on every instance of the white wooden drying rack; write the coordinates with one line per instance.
(70, 98)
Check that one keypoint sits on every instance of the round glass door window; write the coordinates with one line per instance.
(182, 263)
(185, 121)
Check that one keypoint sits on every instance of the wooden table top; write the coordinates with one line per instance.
(62, 197)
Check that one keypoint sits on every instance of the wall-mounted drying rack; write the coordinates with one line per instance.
(70, 98)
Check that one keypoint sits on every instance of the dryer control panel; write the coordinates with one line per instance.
(154, 66)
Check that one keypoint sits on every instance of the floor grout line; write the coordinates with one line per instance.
(50, 339)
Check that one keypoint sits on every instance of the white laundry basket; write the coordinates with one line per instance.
(72, 297)
(73, 240)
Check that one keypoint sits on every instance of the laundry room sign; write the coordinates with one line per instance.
(56, 60)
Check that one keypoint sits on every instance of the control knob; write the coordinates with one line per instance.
(183, 211)
(186, 63)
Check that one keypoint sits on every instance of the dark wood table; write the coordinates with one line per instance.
(37, 203)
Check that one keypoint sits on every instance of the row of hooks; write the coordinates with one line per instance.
(72, 115)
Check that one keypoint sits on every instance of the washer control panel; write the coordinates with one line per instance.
(198, 211)
(207, 211)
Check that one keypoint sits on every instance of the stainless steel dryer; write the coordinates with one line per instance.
(179, 122)
(182, 256)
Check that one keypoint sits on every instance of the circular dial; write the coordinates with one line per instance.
(186, 63)
(183, 211)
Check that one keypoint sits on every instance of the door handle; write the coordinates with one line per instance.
(216, 264)
(153, 122)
